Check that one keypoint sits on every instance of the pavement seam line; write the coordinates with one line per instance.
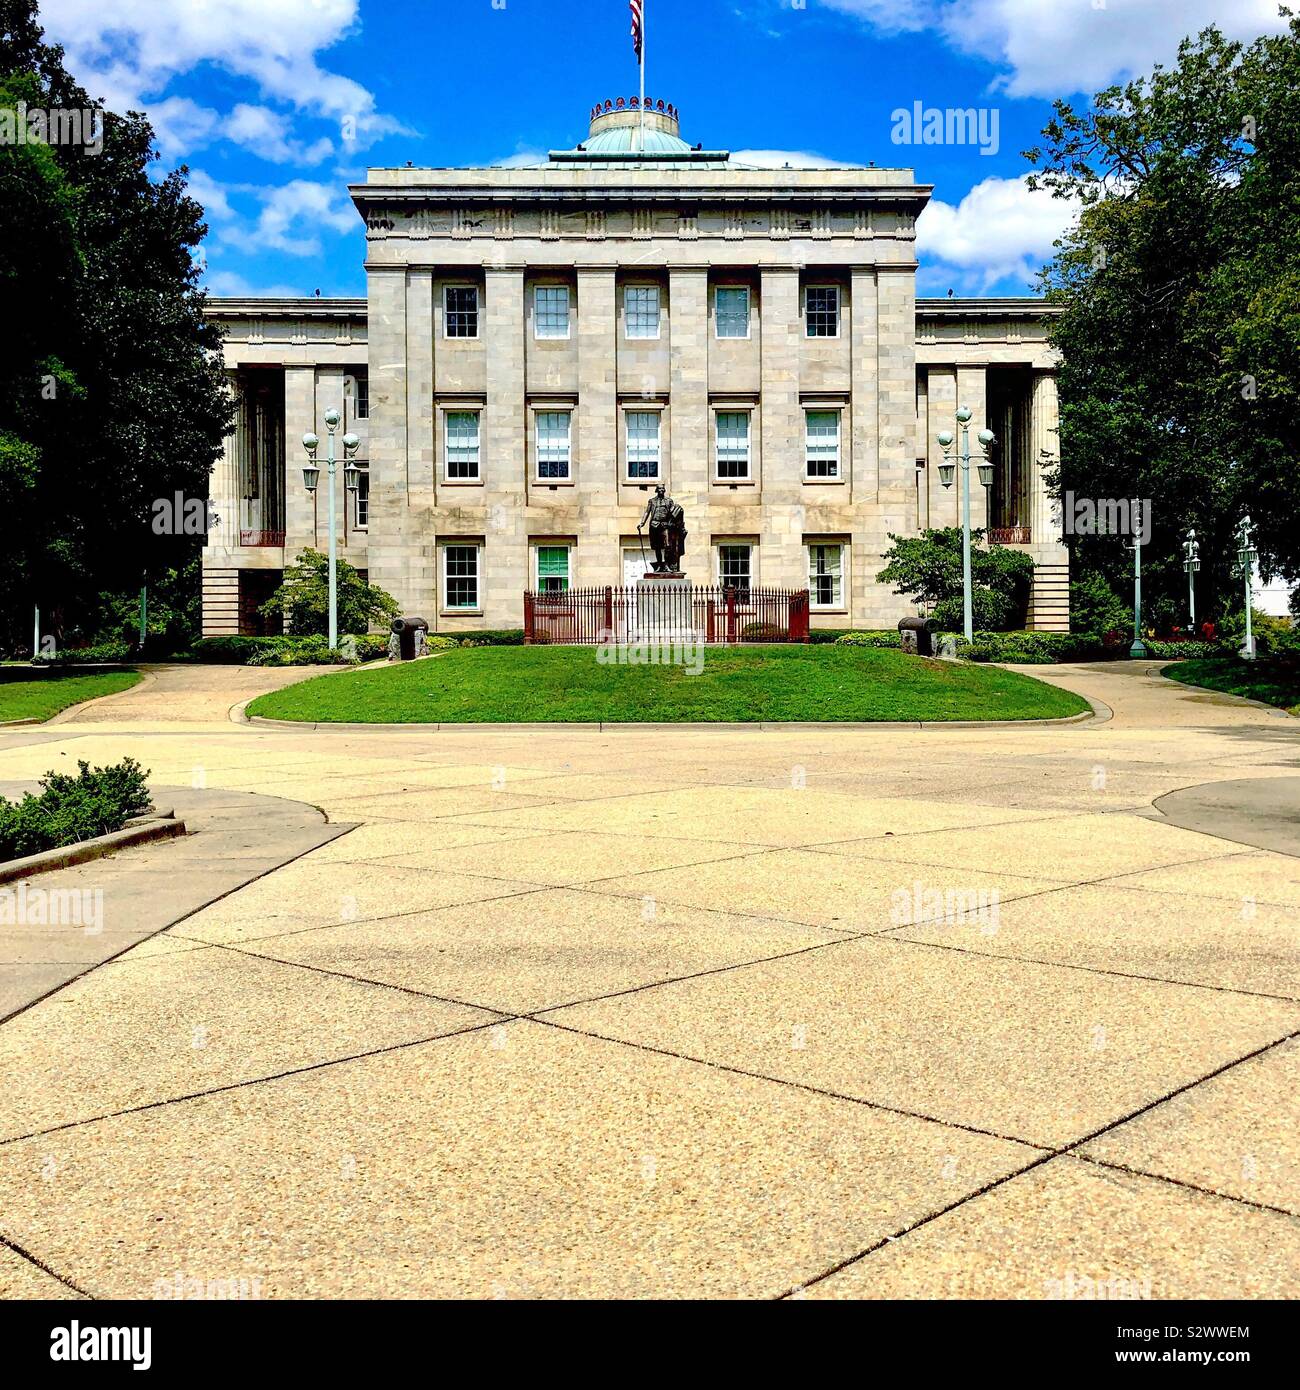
(1067, 1150)
(253, 1081)
(888, 935)
(41, 1265)
(1187, 1186)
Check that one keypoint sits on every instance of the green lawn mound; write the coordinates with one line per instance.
(514, 685)
(1272, 682)
(46, 696)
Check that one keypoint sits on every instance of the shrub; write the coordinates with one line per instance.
(436, 642)
(70, 809)
(105, 654)
(507, 637)
(869, 639)
(1095, 607)
(928, 568)
(303, 598)
(1036, 648)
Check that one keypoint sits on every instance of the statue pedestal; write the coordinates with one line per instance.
(664, 610)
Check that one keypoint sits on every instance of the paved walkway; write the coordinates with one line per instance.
(847, 1014)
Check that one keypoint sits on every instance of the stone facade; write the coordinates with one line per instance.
(511, 310)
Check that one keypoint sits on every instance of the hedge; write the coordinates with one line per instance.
(869, 639)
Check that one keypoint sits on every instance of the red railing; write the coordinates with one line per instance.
(671, 613)
(261, 538)
(1010, 535)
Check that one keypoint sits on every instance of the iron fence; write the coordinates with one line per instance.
(671, 612)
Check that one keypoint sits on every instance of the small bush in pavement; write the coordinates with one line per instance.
(70, 808)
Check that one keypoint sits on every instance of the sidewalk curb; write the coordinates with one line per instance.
(86, 850)
(1099, 714)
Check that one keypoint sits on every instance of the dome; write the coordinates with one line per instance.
(626, 139)
(626, 131)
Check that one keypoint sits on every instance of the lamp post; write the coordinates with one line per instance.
(1191, 563)
(311, 478)
(1138, 650)
(1247, 554)
(946, 471)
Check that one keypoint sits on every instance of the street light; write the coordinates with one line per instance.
(947, 470)
(311, 480)
(1191, 563)
(1247, 554)
(1138, 650)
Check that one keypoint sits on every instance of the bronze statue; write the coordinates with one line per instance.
(667, 531)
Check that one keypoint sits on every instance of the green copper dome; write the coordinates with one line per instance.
(627, 140)
(625, 132)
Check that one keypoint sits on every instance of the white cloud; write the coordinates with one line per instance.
(999, 230)
(1049, 48)
(786, 159)
(268, 133)
(214, 196)
(181, 125)
(229, 282)
(292, 217)
(128, 52)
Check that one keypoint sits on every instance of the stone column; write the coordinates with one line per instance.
(864, 436)
(505, 555)
(400, 552)
(598, 425)
(941, 414)
(1044, 511)
(896, 378)
(781, 552)
(688, 296)
(304, 521)
(419, 386)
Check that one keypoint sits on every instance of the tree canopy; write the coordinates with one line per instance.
(1180, 379)
(112, 390)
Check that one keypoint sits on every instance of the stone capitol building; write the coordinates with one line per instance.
(540, 347)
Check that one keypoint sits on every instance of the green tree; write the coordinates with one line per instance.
(928, 568)
(112, 391)
(1180, 337)
(303, 599)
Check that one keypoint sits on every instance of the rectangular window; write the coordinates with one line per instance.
(641, 310)
(822, 311)
(461, 311)
(731, 312)
(642, 444)
(733, 444)
(551, 311)
(460, 576)
(462, 428)
(362, 508)
(734, 566)
(358, 384)
(822, 443)
(553, 568)
(826, 576)
(553, 443)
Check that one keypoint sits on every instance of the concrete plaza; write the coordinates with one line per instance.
(834, 1014)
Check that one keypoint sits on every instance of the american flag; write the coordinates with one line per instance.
(638, 24)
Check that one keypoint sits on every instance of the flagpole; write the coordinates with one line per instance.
(644, 6)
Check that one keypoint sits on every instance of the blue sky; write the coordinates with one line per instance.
(275, 105)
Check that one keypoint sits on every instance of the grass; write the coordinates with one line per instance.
(45, 696)
(737, 684)
(1273, 682)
